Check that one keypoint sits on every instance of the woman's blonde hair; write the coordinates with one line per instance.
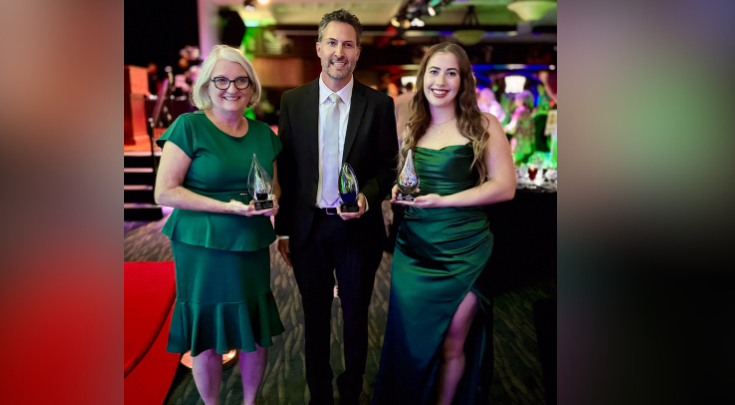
(200, 92)
(470, 121)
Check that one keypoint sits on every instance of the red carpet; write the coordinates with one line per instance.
(149, 296)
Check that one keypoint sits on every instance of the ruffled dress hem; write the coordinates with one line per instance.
(224, 326)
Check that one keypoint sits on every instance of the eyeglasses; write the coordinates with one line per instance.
(223, 83)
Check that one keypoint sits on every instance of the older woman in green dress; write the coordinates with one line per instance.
(219, 240)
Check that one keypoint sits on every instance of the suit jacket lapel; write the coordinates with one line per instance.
(357, 108)
(311, 119)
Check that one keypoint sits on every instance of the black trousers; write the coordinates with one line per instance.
(334, 245)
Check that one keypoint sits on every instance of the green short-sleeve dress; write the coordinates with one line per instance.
(223, 295)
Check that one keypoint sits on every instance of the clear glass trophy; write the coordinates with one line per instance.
(348, 189)
(260, 186)
(408, 180)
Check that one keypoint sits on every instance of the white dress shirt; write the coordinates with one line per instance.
(345, 94)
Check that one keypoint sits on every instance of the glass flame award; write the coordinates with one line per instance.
(408, 180)
(348, 189)
(260, 186)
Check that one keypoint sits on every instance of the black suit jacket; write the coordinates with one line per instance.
(371, 148)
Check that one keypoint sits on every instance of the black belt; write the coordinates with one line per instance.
(327, 211)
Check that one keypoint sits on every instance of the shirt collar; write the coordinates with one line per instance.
(345, 93)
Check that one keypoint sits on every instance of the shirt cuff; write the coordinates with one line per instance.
(280, 237)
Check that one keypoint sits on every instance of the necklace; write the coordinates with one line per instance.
(440, 126)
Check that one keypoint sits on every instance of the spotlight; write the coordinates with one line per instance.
(394, 22)
(263, 2)
(432, 12)
(249, 6)
(417, 23)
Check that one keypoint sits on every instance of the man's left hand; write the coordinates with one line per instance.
(361, 202)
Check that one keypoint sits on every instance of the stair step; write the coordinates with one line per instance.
(143, 175)
(139, 194)
(142, 212)
(141, 159)
(139, 153)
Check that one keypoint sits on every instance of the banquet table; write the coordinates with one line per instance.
(524, 248)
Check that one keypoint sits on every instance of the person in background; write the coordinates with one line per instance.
(219, 240)
(488, 104)
(522, 127)
(392, 90)
(387, 86)
(544, 78)
(464, 162)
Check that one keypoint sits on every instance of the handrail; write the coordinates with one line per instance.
(162, 96)
(162, 93)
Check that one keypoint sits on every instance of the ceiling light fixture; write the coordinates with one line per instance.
(469, 34)
(531, 10)
(415, 12)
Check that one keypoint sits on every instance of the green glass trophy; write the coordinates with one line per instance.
(348, 189)
(408, 180)
(260, 186)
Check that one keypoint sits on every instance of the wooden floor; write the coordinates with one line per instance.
(518, 376)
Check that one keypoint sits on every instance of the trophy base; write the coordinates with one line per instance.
(349, 207)
(263, 205)
(404, 197)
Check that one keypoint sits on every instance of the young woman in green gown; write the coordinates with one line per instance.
(464, 162)
(219, 240)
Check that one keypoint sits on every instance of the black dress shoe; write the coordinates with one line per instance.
(349, 389)
(326, 399)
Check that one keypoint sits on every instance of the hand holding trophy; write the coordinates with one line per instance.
(348, 189)
(408, 180)
(260, 186)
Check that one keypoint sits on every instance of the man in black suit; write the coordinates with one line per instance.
(325, 123)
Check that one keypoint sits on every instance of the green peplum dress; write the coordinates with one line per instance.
(223, 295)
(440, 253)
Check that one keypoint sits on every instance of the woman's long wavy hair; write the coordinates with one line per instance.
(470, 121)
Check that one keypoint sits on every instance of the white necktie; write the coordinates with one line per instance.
(330, 159)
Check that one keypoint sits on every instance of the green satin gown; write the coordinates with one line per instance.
(440, 253)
